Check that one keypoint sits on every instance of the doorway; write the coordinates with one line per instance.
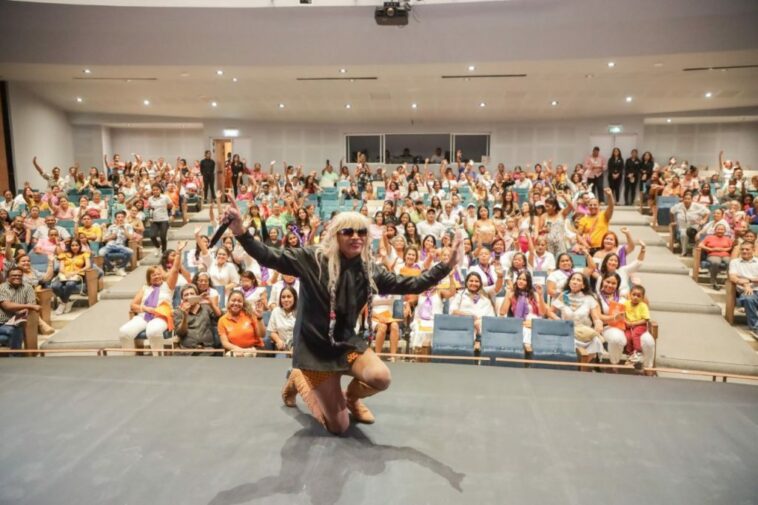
(222, 151)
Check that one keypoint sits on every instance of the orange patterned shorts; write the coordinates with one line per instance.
(316, 377)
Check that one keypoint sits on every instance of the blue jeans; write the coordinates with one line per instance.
(115, 253)
(750, 302)
(64, 289)
(13, 334)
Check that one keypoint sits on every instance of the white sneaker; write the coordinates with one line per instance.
(121, 272)
(68, 307)
(59, 309)
(157, 253)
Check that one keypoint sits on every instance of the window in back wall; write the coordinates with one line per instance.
(370, 145)
(475, 147)
(416, 147)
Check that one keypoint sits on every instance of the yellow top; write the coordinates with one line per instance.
(636, 313)
(595, 226)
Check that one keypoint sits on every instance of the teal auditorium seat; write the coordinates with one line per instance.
(553, 341)
(453, 336)
(502, 338)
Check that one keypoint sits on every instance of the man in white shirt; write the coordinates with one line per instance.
(689, 217)
(743, 272)
(431, 226)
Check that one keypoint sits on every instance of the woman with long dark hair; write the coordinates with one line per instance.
(615, 173)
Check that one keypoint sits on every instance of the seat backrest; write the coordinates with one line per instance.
(221, 297)
(553, 339)
(580, 261)
(502, 335)
(453, 335)
(39, 261)
(397, 309)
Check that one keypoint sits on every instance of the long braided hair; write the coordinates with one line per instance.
(329, 250)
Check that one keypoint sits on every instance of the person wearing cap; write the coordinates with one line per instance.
(430, 226)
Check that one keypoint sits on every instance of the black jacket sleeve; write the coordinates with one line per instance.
(288, 261)
(388, 283)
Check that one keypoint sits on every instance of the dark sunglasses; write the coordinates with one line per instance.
(348, 232)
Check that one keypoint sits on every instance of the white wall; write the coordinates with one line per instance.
(700, 143)
(156, 143)
(88, 146)
(37, 129)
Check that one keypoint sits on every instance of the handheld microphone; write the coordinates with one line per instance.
(219, 233)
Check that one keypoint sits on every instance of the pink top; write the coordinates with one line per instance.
(718, 242)
(594, 166)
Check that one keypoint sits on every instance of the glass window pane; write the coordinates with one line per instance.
(416, 147)
(473, 147)
(370, 145)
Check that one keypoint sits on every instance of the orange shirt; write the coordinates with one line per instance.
(240, 330)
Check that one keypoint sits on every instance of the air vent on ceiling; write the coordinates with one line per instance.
(125, 79)
(483, 76)
(337, 78)
(731, 67)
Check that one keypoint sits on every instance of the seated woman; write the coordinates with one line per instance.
(430, 302)
(610, 244)
(524, 301)
(717, 250)
(577, 304)
(167, 262)
(240, 329)
(611, 264)
(51, 245)
(222, 271)
(281, 324)
(473, 302)
(382, 322)
(70, 280)
(193, 320)
(152, 307)
(255, 294)
(612, 314)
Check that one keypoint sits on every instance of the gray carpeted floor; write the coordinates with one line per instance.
(212, 430)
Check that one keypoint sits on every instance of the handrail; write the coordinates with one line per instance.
(103, 352)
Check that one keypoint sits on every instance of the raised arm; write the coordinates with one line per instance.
(611, 204)
(289, 261)
(629, 240)
(39, 169)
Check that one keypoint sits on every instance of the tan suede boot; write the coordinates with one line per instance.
(303, 387)
(355, 391)
(289, 391)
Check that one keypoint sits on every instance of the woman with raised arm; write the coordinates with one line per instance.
(337, 278)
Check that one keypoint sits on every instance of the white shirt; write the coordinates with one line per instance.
(283, 323)
(436, 229)
(623, 273)
(224, 274)
(578, 309)
(474, 305)
(544, 263)
(744, 269)
(559, 278)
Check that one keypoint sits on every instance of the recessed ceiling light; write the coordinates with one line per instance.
(414, 106)
(611, 64)
(482, 104)
(657, 64)
(668, 119)
(184, 74)
(348, 106)
(554, 103)
(214, 104)
(281, 105)
(471, 68)
(343, 70)
(79, 99)
(708, 94)
(219, 72)
(146, 102)
(629, 99)
(234, 79)
(87, 71)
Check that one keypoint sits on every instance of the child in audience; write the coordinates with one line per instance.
(637, 316)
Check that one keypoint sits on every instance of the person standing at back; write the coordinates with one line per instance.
(594, 166)
(208, 171)
(632, 171)
(615, 173)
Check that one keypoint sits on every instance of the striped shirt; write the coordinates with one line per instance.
(22, 294)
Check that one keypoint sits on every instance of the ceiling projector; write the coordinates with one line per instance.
(392, 14)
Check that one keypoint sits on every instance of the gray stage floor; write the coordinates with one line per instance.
(212, 430)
